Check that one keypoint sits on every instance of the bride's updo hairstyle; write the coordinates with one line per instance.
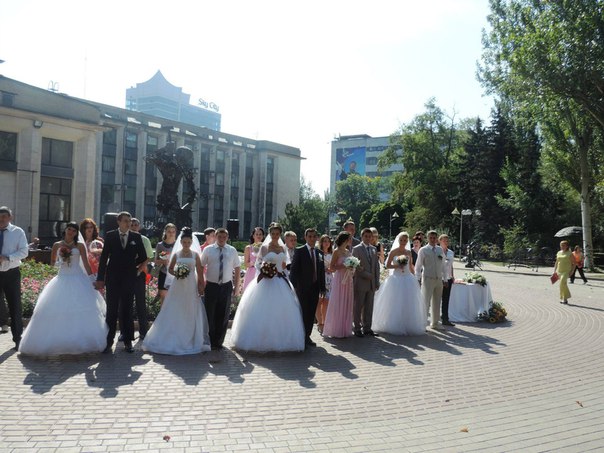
(186, 232)
(343, 236)
(73, 225)
(275, 226)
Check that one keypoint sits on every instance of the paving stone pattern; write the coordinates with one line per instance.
(534, 383)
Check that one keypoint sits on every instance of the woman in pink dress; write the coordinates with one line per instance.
(249, 255)
(338, 320)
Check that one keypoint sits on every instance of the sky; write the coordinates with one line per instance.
(297, 73)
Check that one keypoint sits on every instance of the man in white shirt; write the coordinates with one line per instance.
(13, 249)
(430, 266)
(221, 264)
(443, 240)
(291, 240)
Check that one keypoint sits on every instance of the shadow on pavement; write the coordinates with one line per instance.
(297, 366)
(569, 304)
(6, 355)
(113, 371)
(45, 373)
(225, 362)
(465, 339)
(190, 368)
(376, 350)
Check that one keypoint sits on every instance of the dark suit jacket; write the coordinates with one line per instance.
(117, 263)
(301, 272)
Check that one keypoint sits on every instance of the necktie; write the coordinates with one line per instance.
(1, 239)
(124, 239)
(220, 266)
(314, 264)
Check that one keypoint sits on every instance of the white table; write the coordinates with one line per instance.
(467, 300)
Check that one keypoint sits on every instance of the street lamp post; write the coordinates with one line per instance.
(461, 214)
(393, 217)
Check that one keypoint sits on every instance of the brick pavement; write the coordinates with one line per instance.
(514, 387)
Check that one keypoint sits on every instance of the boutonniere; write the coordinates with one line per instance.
(132, 243)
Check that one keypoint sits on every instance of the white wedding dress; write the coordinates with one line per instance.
(69, 316)
(269, 317)
(398, 306)
(181, 327)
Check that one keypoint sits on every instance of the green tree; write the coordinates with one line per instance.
(431, 144)
(356, 194)
(380, 217)
(545, 53)
(310, 211)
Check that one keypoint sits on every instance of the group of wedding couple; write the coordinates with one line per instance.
(71, 316)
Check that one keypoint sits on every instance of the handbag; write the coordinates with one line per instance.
(554, 278)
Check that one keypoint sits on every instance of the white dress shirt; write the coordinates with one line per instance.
(448, 275)
(15, 247)
(210, 259)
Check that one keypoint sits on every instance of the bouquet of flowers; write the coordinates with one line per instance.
(164, 255)
(401, 260)
(181, 271)
(352, 262)
(495, 313)
(475, 277)
(268, 270)
(65, 254)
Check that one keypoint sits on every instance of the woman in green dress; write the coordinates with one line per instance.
(564, 267)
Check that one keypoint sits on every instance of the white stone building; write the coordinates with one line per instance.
(63, 158)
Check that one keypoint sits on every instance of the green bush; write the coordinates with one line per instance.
(34, 278)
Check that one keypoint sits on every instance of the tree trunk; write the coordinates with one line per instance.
(586, 208)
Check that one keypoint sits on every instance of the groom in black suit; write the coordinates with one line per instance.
(307, 274)
(122, 260)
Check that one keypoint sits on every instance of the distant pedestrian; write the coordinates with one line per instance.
(579, 263)
(563, 268)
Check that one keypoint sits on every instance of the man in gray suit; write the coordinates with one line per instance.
(366, 283)
(430, 267)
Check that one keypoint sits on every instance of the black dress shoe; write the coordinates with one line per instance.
(309, 342)
(359, 334)
(107, 349)
(448, 323)
(128, 347)
(371, 333)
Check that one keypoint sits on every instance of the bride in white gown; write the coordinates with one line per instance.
(269, 317)
(69, 316)
(398, 306)
(181, 327)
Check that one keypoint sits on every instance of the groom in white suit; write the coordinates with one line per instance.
(430, 268)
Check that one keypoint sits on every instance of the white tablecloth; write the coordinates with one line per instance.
(467, 300)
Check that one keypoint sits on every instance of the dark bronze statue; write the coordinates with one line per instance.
(175, 165)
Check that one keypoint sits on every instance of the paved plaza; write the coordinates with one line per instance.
(534, 383)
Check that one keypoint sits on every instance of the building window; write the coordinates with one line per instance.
(234, 180)
(8, 146)
(371, 161)
(57, 153)
(129, 167)
(108, 163)
(8, 151)
(220, 179)
(55, 208)
(131, 140)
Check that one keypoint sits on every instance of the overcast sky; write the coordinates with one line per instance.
(297, 73)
